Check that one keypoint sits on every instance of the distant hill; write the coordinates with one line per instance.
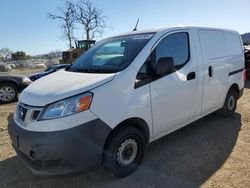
(246, 37)
(53, 54)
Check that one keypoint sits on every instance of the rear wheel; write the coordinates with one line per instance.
(124, 152)
(8, 93)
(230, 104)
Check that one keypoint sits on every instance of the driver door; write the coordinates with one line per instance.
(172, 95)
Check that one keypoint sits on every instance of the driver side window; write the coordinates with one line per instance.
(175, 46)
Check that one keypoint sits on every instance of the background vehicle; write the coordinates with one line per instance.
(247, 60)
(11, 85)
(81, 46)
(48, 71)
(38, 66)
(5, 67)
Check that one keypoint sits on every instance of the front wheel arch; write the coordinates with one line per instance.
(138, 123)
(235, 87)
(12, 83)
(119, 157)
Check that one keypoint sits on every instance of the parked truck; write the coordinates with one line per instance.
(247, 60)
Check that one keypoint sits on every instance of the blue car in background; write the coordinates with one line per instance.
(48, 71)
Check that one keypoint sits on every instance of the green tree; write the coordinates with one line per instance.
(1, 58)
(19, 55)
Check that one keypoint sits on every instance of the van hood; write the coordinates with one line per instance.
(60, 85)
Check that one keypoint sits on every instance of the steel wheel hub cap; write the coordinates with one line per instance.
(7, 93)
(231, 103)
(127, 152)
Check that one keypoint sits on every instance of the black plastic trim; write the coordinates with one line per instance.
(77, 149)
(140, 83)
(235, 72)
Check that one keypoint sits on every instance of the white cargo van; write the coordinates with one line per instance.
(124, 93)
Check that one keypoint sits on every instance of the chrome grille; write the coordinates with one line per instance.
(27, 113)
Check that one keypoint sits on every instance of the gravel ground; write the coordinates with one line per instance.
(211, 152)
(25, 72)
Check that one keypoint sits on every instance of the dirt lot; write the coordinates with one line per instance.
(212, 152)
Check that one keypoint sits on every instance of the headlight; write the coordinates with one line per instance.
(26, 80)
(67, 107)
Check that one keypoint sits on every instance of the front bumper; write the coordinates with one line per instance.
(74, 150)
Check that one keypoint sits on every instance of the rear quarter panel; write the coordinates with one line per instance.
(235, 57)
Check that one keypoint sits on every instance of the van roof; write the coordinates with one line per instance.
(156, 30)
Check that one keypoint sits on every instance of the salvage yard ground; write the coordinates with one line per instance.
(212, 152)
(26, 72)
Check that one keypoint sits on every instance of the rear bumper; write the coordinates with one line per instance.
(64, 152)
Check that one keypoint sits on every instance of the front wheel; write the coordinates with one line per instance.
(124, 152)
(230, 104)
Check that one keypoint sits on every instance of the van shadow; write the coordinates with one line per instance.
(185, 158)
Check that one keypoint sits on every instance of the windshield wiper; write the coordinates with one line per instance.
(92, 71)
(80, 70)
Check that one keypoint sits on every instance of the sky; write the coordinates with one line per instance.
(24, 25)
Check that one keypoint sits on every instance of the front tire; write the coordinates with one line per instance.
(124, 151)
(230, 104)
(8, 93)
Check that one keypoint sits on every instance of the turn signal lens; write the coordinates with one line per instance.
(84, 103)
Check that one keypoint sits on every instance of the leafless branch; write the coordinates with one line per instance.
(91, 18)
(66, 15)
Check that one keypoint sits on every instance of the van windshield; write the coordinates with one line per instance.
(111, 55)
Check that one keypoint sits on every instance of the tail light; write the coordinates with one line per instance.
(245, 75)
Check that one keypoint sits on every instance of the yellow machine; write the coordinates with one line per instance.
(81, 46)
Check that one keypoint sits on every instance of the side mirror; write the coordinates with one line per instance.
(165, 66)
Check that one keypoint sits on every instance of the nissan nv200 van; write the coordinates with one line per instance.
(123, 93)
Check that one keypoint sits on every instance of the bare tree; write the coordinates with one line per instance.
(5, 54)
(67, 15)
(91, 18)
